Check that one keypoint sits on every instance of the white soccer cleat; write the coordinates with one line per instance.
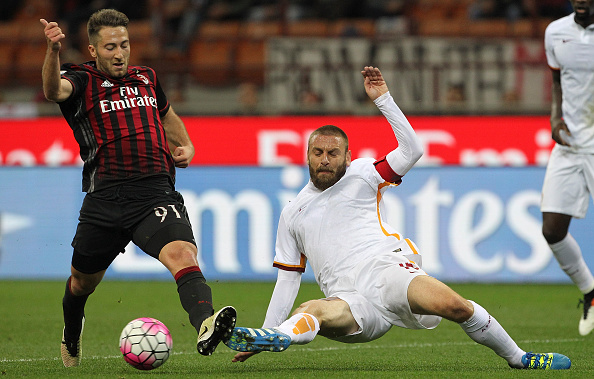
(72, 350)
(215, 329)
(587, 321)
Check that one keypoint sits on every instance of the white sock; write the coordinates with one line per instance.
(302, 328)
(484, 329)
(569, 255)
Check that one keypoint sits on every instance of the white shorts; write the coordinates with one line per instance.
(379, 298)
(568, 183)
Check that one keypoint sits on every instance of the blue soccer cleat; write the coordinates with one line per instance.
(256, 340)
(545, 361)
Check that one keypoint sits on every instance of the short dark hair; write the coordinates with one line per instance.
(103, 18)
(329, 130)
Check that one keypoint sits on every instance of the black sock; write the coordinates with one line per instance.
(195, 295)
(74, 311)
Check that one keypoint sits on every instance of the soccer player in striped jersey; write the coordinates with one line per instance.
(131, 140)
(370, 274)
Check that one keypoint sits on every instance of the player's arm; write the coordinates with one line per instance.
(54, 87)
(557, 123)
(409, 150)
(291, 264)
(281, 302)
(283, 297)
(180, 144)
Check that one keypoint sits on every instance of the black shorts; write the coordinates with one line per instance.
(151, 217)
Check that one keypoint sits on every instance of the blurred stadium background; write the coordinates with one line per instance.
(299, 56)
(252, 78)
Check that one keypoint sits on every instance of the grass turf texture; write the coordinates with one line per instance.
(541, 318)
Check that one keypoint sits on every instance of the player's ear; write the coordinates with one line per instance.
(93, 51)
(348, 158)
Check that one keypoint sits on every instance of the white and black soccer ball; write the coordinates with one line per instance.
(145, 343)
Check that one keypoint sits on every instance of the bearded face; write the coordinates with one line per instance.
(327, 158)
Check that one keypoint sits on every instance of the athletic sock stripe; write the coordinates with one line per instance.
(185, 271)
(310, 322)
(304, 324)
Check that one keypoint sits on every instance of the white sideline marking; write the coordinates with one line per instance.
(341, 347)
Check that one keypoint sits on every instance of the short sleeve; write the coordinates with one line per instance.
(550, 50)
(78, 79)
(162, 102)
(288, 257)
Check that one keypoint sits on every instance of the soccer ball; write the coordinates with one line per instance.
(145, 343)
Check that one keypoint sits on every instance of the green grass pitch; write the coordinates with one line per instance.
(540, 317)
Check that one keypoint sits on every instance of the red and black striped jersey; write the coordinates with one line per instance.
(117, 124)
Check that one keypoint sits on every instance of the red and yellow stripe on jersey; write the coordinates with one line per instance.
(299, 268)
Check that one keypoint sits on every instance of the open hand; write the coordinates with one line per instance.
(375, 85)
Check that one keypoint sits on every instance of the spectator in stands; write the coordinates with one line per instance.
(253, 10)
(387, 8)
(455, 94)
(31, 9)
(336, 9)
(248, 98)
(509, 9)
(8, 9)
(178, 20)
(550, 8)
(226, 10)
(392, 16)
(75, 13)
(262, 10)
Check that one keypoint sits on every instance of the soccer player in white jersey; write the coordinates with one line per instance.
(569, 179)
(371, 276)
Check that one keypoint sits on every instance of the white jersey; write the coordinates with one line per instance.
(570, 48)
(339, 228)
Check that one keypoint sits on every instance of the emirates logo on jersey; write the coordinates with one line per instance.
(130, 97)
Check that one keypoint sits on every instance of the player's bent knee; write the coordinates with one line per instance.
(458, 309)
(552, 235)
(322, 309)
(83, 284)
(178, 254)
(309, 306)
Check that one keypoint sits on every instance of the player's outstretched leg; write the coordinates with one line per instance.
(215, 329)
(486, 330)
(545, 361)
(71, 351)
(587, 321)
(256, 340)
